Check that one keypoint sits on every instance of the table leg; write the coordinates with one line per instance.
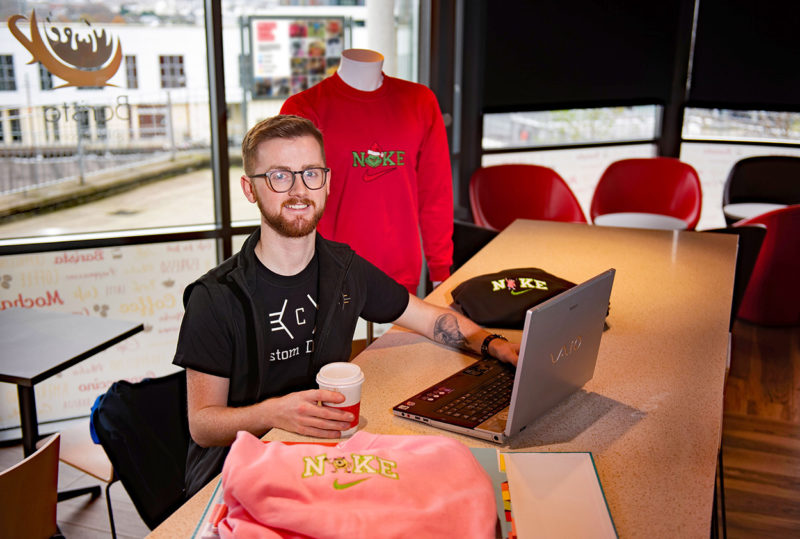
(27, 414)
(30, 435)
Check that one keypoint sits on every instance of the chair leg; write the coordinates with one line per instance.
(722, 495)
(714, 534)
(69, 494)
(110, 513)
(95, 492)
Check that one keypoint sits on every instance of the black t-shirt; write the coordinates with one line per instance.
(288, 307)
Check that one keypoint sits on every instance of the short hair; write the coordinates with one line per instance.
(282, 126)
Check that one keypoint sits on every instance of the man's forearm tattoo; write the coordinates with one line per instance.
(446, 331)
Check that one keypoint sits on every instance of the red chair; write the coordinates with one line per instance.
(772, 297)
(501, 193)
(658, 185)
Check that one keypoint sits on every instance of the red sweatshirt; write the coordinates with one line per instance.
(390, 174)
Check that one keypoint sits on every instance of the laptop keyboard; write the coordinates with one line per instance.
(484, 401)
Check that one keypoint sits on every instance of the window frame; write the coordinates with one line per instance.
(45, 78)
(8, 79)
(131, 72)
(172, 71)
(220, 230)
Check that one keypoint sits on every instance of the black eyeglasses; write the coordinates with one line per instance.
(281, 181)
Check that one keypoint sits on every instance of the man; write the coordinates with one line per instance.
(258, 327)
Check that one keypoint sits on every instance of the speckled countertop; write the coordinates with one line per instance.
(652, 414)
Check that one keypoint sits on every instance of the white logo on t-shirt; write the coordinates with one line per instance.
(277, 323)
(276, 319)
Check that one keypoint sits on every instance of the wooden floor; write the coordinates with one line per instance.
(761, 433)
(761, 448)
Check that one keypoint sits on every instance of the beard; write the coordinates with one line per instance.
(292, 228)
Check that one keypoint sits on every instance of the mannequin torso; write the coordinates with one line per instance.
(361, 69)
(391, 179)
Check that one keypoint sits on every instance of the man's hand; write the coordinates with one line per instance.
(300, 412)
(504, 351)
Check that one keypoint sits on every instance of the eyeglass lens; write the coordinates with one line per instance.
(283, 180)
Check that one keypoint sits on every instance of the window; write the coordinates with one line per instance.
(16, 126)
(715, 139)
(141, 283)
(580, 167)
(75, 137)
(569, 127)
(152, 121)
(101, 121)
(741, 125)
(131, 74)
(82, 119)
(52, 132)
(45, 78)
(7, 80)
(172, 75)
(507, 135)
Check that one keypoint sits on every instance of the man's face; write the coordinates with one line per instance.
(296, 212)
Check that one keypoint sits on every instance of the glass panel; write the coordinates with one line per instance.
(741, 125)
(114, 133)
(580, 168)
(713, 163)
(140, 283)
(564, 127)
(282, 49)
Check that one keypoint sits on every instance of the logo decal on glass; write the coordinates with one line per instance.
(81, 60)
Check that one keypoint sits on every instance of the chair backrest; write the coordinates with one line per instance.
(765, 178)
(143, 428)
(468, 239)
(29, 493)
(750, 240)
(660, 185)
(499, 194)
(773, 292)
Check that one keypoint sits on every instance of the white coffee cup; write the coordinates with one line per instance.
(347, 379)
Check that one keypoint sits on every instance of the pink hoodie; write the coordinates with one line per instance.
(368, 486)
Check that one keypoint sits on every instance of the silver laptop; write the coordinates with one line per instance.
(493, 401)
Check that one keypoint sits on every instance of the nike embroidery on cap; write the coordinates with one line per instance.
(501, 299)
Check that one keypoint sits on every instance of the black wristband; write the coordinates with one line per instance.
(487, 340)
